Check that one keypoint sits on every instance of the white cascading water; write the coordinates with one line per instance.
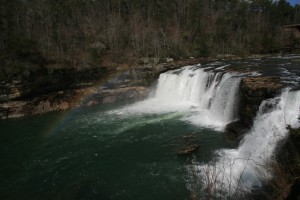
(239, 170)
(207, 98)
(210, 99)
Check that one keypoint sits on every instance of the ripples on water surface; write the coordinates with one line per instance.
(94, 154)
(129, 152)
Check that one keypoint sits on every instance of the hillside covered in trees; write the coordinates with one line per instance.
(97, 32)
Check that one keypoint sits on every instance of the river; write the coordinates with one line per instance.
(131, 151)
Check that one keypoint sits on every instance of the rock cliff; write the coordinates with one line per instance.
(45, 91)
(63, 100)
(54, 88)
(57, 89)
(253, 91)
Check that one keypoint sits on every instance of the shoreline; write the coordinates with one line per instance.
(60, 89)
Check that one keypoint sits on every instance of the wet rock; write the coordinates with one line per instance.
(123, 94)
(286, 167)
(253, 91)
(63, 100)
(266, 84)
(10, 90)
(3, 113)
(13, 109)
(189, 137)
(109, 99)
(227, 56)
(92, 103)
(106, 96)
(168, 60)
(57, 87)
(235, 130)
(188, 149)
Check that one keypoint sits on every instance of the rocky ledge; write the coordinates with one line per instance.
(253, 91)
(63, 100)
(59, 89)
(50, 89)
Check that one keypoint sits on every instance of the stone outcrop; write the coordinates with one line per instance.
(51, 88)
(236, 129)
(63, 100)
(30, 84)
(150, 73)
(253, 91)
(10, 90)
(188, 149)
(55, 88)
(117, 95)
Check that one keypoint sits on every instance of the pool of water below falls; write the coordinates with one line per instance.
(93, 154)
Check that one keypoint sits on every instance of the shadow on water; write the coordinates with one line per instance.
(102, 152)
(96, 155)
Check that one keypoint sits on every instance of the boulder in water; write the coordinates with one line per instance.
(188, 149)
(235, 130)
(189, 137)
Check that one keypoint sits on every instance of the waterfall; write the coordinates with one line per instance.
(206, 97)
(209, 97)
(245, 167)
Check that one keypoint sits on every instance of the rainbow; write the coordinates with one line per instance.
(66, 116)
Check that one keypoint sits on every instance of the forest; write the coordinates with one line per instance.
(219, 130)
(78, 33)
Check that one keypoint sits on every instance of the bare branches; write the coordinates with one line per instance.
(65, 30)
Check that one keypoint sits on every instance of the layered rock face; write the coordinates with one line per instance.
(50, 89)
(63, 100)
(62, 89)
(253, 91)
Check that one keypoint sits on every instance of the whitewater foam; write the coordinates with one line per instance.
(206, 98)
(248, 165)
(209, 98)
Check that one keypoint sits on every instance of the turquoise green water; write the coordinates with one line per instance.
(91, 154)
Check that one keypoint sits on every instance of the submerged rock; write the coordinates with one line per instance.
(235, 129)
(189, 137)
(188, 149)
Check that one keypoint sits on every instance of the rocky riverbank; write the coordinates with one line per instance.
(44, 90)
(63, 100)
(53, 89)
(49, 89)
